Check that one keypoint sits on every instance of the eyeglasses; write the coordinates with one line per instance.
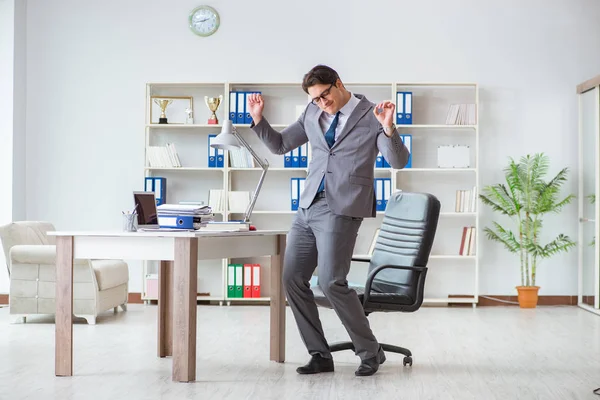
(323, 95)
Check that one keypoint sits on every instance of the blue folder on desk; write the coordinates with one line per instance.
(176, 221)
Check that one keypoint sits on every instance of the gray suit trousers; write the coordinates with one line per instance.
(319, 237)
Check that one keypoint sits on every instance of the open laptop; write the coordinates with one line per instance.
(145, 207)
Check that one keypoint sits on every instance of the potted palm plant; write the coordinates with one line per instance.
(526, 197)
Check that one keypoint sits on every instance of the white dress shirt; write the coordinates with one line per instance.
(326, 119)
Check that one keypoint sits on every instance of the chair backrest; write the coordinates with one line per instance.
(405, 238)
(24, 232)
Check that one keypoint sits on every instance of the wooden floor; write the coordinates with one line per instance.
(459, 353)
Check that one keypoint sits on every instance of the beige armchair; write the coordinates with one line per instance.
(98, 285)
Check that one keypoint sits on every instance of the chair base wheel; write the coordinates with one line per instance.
(407, 361)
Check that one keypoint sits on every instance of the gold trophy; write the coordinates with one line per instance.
(163, 107)
(213, 103)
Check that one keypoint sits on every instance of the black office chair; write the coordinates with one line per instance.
(398, 266)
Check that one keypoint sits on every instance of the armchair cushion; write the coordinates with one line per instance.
(110, 273)
(36, 254)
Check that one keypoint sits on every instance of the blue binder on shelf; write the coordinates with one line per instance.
(220, 155)
(212, 153)
(379, 161)
(303, 157)
(233, 107)
(403, 108)
(287, 160)
(158, 185)
(296, 158)
(241, 107)
(247, 116)
(379, 194)
(295, 193)
(407, 140)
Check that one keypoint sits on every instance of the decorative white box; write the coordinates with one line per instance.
(454, 156)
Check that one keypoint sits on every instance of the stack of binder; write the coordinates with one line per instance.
(297, 158)
(243, 280)
(158, 185)
(383, 190)
(296, 189)
(184, 216)
(238, 107)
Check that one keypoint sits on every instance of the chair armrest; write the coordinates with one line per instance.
(422, 271)
(36, 254)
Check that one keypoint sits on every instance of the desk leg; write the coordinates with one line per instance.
(165, 309)
(278, 303)
(64, 307)
(185, 279)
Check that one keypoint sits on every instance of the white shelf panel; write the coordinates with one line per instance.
(457, 84)
(270, 169)
(453, 300)
(182, 169)
(458, 214)
(421, 126)
(406, 170)
(437, 257)
(274, 126)
(210, 298)
(184, 126)
(271, 212)
(247, 299)
(187, 84)
(451, 257)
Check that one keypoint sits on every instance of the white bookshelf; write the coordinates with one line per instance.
(193, 180)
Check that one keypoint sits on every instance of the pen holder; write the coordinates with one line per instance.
(130, 222)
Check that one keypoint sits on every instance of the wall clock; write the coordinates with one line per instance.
(204, 20)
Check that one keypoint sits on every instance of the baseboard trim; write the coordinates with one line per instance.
(489, 300)
(136, 298)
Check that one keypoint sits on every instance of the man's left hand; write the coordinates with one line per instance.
(384, 112)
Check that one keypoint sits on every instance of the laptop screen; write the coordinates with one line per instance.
(145, 206)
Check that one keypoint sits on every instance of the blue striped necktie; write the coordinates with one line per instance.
(330, 138)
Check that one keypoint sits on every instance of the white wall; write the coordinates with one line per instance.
(88, 63)
(7, 12)
(19, 117)
(13, 76)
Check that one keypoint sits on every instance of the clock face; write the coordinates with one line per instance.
(204, 21)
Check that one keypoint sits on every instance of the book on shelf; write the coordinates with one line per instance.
(466, 200)
(461, 114)
(241, 158)
(163, 156)
(467, 241)
(216, 200)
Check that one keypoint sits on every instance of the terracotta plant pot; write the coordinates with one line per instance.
(528, 296)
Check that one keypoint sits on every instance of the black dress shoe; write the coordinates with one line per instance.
(316, 364)
(370, 365)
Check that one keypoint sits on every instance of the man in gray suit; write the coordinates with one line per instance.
(346, 131)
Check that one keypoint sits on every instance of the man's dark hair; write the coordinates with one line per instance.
(321, 74)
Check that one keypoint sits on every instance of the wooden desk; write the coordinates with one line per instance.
(178, 253)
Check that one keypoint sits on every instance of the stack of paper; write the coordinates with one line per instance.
(184, 209)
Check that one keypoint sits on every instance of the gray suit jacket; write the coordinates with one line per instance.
(348, 166)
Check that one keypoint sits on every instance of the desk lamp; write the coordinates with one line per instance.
(230, 139)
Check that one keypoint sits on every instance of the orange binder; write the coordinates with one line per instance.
(247, 280)
(255, 280)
